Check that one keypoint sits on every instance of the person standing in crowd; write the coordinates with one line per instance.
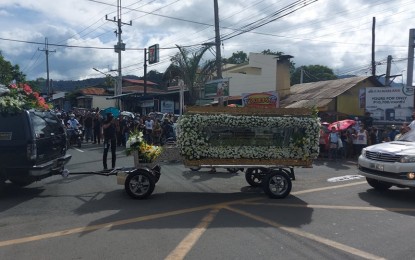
(402, 131)
(333, 143)
(323, 139)
(88, 123)
(97, 127)
(367, 120)
(157, 131)
(373, 136)
(109, 128)
(361, 140)
(411, 126)
(149, 123)
(393, 132)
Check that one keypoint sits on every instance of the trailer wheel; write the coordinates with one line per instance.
(254, 176)
(277, 184)
(139, 185)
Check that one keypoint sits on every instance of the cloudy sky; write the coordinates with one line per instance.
(332, 33)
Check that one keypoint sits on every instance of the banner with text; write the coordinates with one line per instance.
(264, 99)
(389, 104)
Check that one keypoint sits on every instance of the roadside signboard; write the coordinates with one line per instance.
(217, 88)
(264, 99)
(389, 103)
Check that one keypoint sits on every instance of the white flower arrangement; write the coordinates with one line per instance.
(194, 143)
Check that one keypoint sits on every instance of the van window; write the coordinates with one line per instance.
(45, 124)
(11, 127)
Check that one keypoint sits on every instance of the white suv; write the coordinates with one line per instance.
(390, 164)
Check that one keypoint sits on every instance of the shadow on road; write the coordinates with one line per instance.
(392, 200)
(187, 209)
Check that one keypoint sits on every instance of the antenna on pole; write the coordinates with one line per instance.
(46, 50)
(118, 48)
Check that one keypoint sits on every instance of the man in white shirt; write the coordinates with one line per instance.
(149, 123)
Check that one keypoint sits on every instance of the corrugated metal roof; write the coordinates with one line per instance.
(140, 89)
(93, 91)
(321, 93)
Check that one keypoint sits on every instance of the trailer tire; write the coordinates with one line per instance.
(277, 184)
(254, 176)
(140, 185)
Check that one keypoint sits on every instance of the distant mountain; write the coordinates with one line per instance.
(71, 85)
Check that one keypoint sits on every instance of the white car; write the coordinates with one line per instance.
(390, 164)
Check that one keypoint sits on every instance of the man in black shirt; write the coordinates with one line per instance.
(110, 139)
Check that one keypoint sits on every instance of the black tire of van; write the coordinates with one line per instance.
(21, 183)
(378, 185)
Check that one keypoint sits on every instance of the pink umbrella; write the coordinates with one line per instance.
(342, 124)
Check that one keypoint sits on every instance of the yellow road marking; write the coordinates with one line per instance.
(149, 217)
(327, 188)
(310, 236)
(190, 240)
(316, 206)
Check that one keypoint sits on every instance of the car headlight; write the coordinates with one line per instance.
(407, 159)
(364, 152)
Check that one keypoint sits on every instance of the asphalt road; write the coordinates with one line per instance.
(331, 213)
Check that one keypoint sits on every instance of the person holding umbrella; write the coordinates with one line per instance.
(333, 143)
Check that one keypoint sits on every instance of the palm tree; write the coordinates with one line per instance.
(186, 65)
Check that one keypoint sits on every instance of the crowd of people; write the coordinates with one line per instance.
(348, 143)
(113, 131)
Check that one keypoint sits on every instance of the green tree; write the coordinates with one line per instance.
(312, 73)
(9, 72)
(238, 57)
(187, 66)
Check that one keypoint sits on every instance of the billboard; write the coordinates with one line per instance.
(217, 88)
(153, 54)
(388, 103)
(264, 99)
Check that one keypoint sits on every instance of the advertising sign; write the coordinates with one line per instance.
(217, 88)
(389, 103)
(153, 54)
(264, 100)
(167, 106)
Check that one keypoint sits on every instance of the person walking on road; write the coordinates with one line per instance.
(109, 128)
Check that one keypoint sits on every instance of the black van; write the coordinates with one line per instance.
(32, 146)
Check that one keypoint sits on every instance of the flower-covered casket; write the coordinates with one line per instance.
(248, 136)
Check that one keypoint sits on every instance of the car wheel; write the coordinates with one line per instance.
(139, 185)
(21, 183)
(378, 185)
(277, 184)
(254, 176)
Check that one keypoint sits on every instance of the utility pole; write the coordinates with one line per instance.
(388, 71)
(46, 50)
(118, 48)
(217, 42)
(373, 47)
(410, 68)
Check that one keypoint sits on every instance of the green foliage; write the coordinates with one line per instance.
(312, 73)
(9, 72)
(188, 67)
(238, 57)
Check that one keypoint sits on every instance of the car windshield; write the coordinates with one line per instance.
(408, 137)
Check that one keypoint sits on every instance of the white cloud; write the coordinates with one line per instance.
(336, 34)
